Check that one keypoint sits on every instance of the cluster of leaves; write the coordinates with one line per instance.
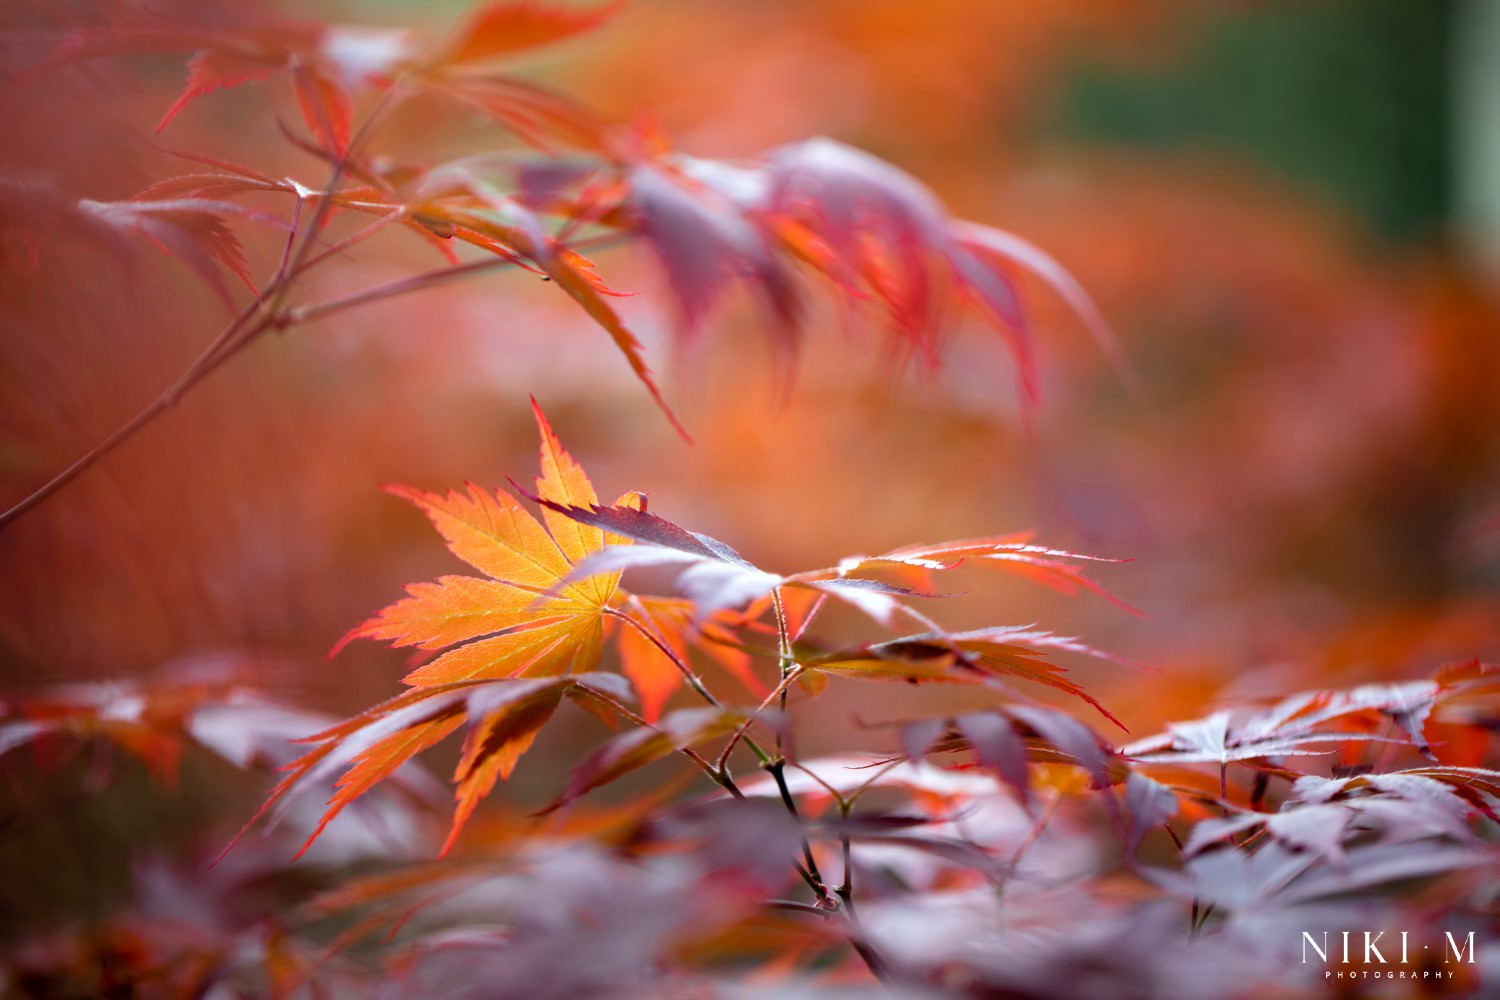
(532, 631)
(578, 181)
(1236, 832)
(985, 852)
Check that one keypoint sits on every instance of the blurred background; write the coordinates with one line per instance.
(1288, 211)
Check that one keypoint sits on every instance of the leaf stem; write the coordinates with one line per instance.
(739, 733)
(693, 681)
(231, 340)
(212, 356)
(719, 777)
(777, 770)
(784, 653)
(846, 884)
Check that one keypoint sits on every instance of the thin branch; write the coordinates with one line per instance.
(212, 356)
(740, 731)
(693, 680)
(846, 884)
(843, 804)
(871, 958)
(382, 222)
(239, 333)
(784, 653)
(777, 770)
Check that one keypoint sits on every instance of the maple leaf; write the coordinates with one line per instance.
(503, 716)
(1276, 876)
(714, 576)
(881, 236)
(1014, 553)
(153, 720)
(1296, 725)
(1457, 792)
(880, 227)
(191, 229)
(524, 617)
(1457, 693)
(704, 242)
(184, 220)
(981, 257)
(1215, 739)
(977, 656)
(1408, 704)
(1148, 804)
(467, 206)
(330, 64)
(1399, 807)
(509, 26)
(539, 117)
(323, 61)
(1004, 739)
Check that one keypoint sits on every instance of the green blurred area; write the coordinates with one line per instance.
(1350, 97)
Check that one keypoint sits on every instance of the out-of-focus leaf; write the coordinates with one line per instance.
(851, 774)
(1216, 740)
(503, 717)
(883, 230)
(873, 229)
(488, 218)
(154, 720)
(214, 68)
(539, 117)
(991, 247)
(1319, 830)
(998, 747)
(193, 230)
(326, 107)
(504, 27)
(1275, 877)
(323, 61)
(1077, 743)
(955, 851)
(704, 244)
(1148, 804)
(1004, 741)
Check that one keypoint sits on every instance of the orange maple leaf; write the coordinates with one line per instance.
(517, 640)
(520, 619)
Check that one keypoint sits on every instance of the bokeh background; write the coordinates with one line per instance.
(1289, 212)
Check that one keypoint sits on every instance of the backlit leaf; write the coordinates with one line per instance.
(504, 27)
(526, 617)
